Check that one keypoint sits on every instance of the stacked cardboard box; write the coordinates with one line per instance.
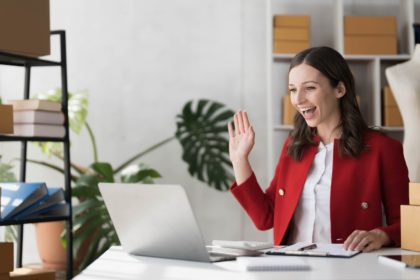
(6, 119)
(370, 35)
(25, 273)
(391, 112)
(25, 27)
(6, 259)
(288, 110)
(410, 215)
(290, 33)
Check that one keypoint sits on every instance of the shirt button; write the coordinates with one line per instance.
(364, 205)
(281, 192)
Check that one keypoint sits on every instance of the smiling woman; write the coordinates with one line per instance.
(334, 173)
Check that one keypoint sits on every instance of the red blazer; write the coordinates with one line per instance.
(359, 187)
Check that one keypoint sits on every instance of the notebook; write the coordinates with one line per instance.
(272, 263)
(320, 250)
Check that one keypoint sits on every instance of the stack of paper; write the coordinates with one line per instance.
(272, 263)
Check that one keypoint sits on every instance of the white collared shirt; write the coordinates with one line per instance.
(311, 220)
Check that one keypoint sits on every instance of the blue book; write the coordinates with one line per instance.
(16, 197)
(56, 210)
(55, 196)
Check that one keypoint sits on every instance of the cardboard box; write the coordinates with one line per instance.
(290, 46)
(291, 33)
(25, 27)
(26, 273)
(388, 97)
(291, 21)
(6, 257)
(370, 35)
(288, 110)
(370, 44)
(392, 116)
(6, 119)
(370, 25)
(4, 276)
(414, 193)
(410, 227)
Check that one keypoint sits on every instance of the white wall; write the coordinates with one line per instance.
(141, 61)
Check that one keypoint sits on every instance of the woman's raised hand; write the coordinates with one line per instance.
(241, 141)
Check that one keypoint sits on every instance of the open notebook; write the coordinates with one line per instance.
(321, 250)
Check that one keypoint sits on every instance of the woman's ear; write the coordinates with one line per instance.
(340, 90)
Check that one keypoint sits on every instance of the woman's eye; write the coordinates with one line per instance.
(310, 88)
(292, 90)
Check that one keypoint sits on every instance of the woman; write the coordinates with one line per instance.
(334, 174)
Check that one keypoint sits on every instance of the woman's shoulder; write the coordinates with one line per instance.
(375, 138)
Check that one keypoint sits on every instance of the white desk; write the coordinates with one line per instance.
(116, 264)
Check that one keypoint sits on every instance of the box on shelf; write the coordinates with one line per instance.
(6, 119)
(25, 27)
(410, 231)
(414, 194)
(391, 112)
(6, 257)
(291, 33)
(27, 273)
(370, 35)
(288, 111)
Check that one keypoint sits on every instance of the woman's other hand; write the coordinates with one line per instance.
(241, 141)
(367, 241)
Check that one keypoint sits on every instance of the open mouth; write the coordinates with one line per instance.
(308, 112)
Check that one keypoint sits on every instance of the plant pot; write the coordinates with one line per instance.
(50, 250)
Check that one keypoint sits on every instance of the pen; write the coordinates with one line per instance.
(308, 247)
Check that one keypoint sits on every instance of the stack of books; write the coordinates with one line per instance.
(25, 201)
(37, 118)
(291, 33)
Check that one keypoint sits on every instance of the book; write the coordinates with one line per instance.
(314, 250)
(56, 210)
(39, 117)
(17, 197)
(271, 263)
(39, 130)
(34, 104)
(400, 261)
(54, 198)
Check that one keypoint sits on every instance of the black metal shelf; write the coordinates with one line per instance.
(35, 220)
(21, 60)
(11, 138)
(28, 62)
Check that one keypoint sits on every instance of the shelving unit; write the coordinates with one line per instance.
(327, 25)
(28, 63)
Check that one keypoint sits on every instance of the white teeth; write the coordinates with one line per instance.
(303, 110)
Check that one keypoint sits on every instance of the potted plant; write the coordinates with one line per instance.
(201, 131)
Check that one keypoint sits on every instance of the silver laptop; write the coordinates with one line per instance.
(156, 221)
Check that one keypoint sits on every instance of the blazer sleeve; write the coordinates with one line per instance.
(258, 204)
(394, 187)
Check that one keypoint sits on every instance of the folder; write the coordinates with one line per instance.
(314, 250)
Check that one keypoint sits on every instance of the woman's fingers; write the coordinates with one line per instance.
(230, 130)
(349, 239)
(246, 121)
(240, 122)
(236, 123)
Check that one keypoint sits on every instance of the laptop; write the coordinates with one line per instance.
(156, 221)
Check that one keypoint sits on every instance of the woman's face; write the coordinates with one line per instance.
(313, 96)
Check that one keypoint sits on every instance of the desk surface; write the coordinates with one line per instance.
(116, 264)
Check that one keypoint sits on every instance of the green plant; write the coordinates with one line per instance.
(201, 131)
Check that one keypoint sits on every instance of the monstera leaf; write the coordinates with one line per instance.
(202, 132)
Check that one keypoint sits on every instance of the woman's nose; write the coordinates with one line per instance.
(300, 97)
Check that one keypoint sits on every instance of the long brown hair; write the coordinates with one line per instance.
(333, 66)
